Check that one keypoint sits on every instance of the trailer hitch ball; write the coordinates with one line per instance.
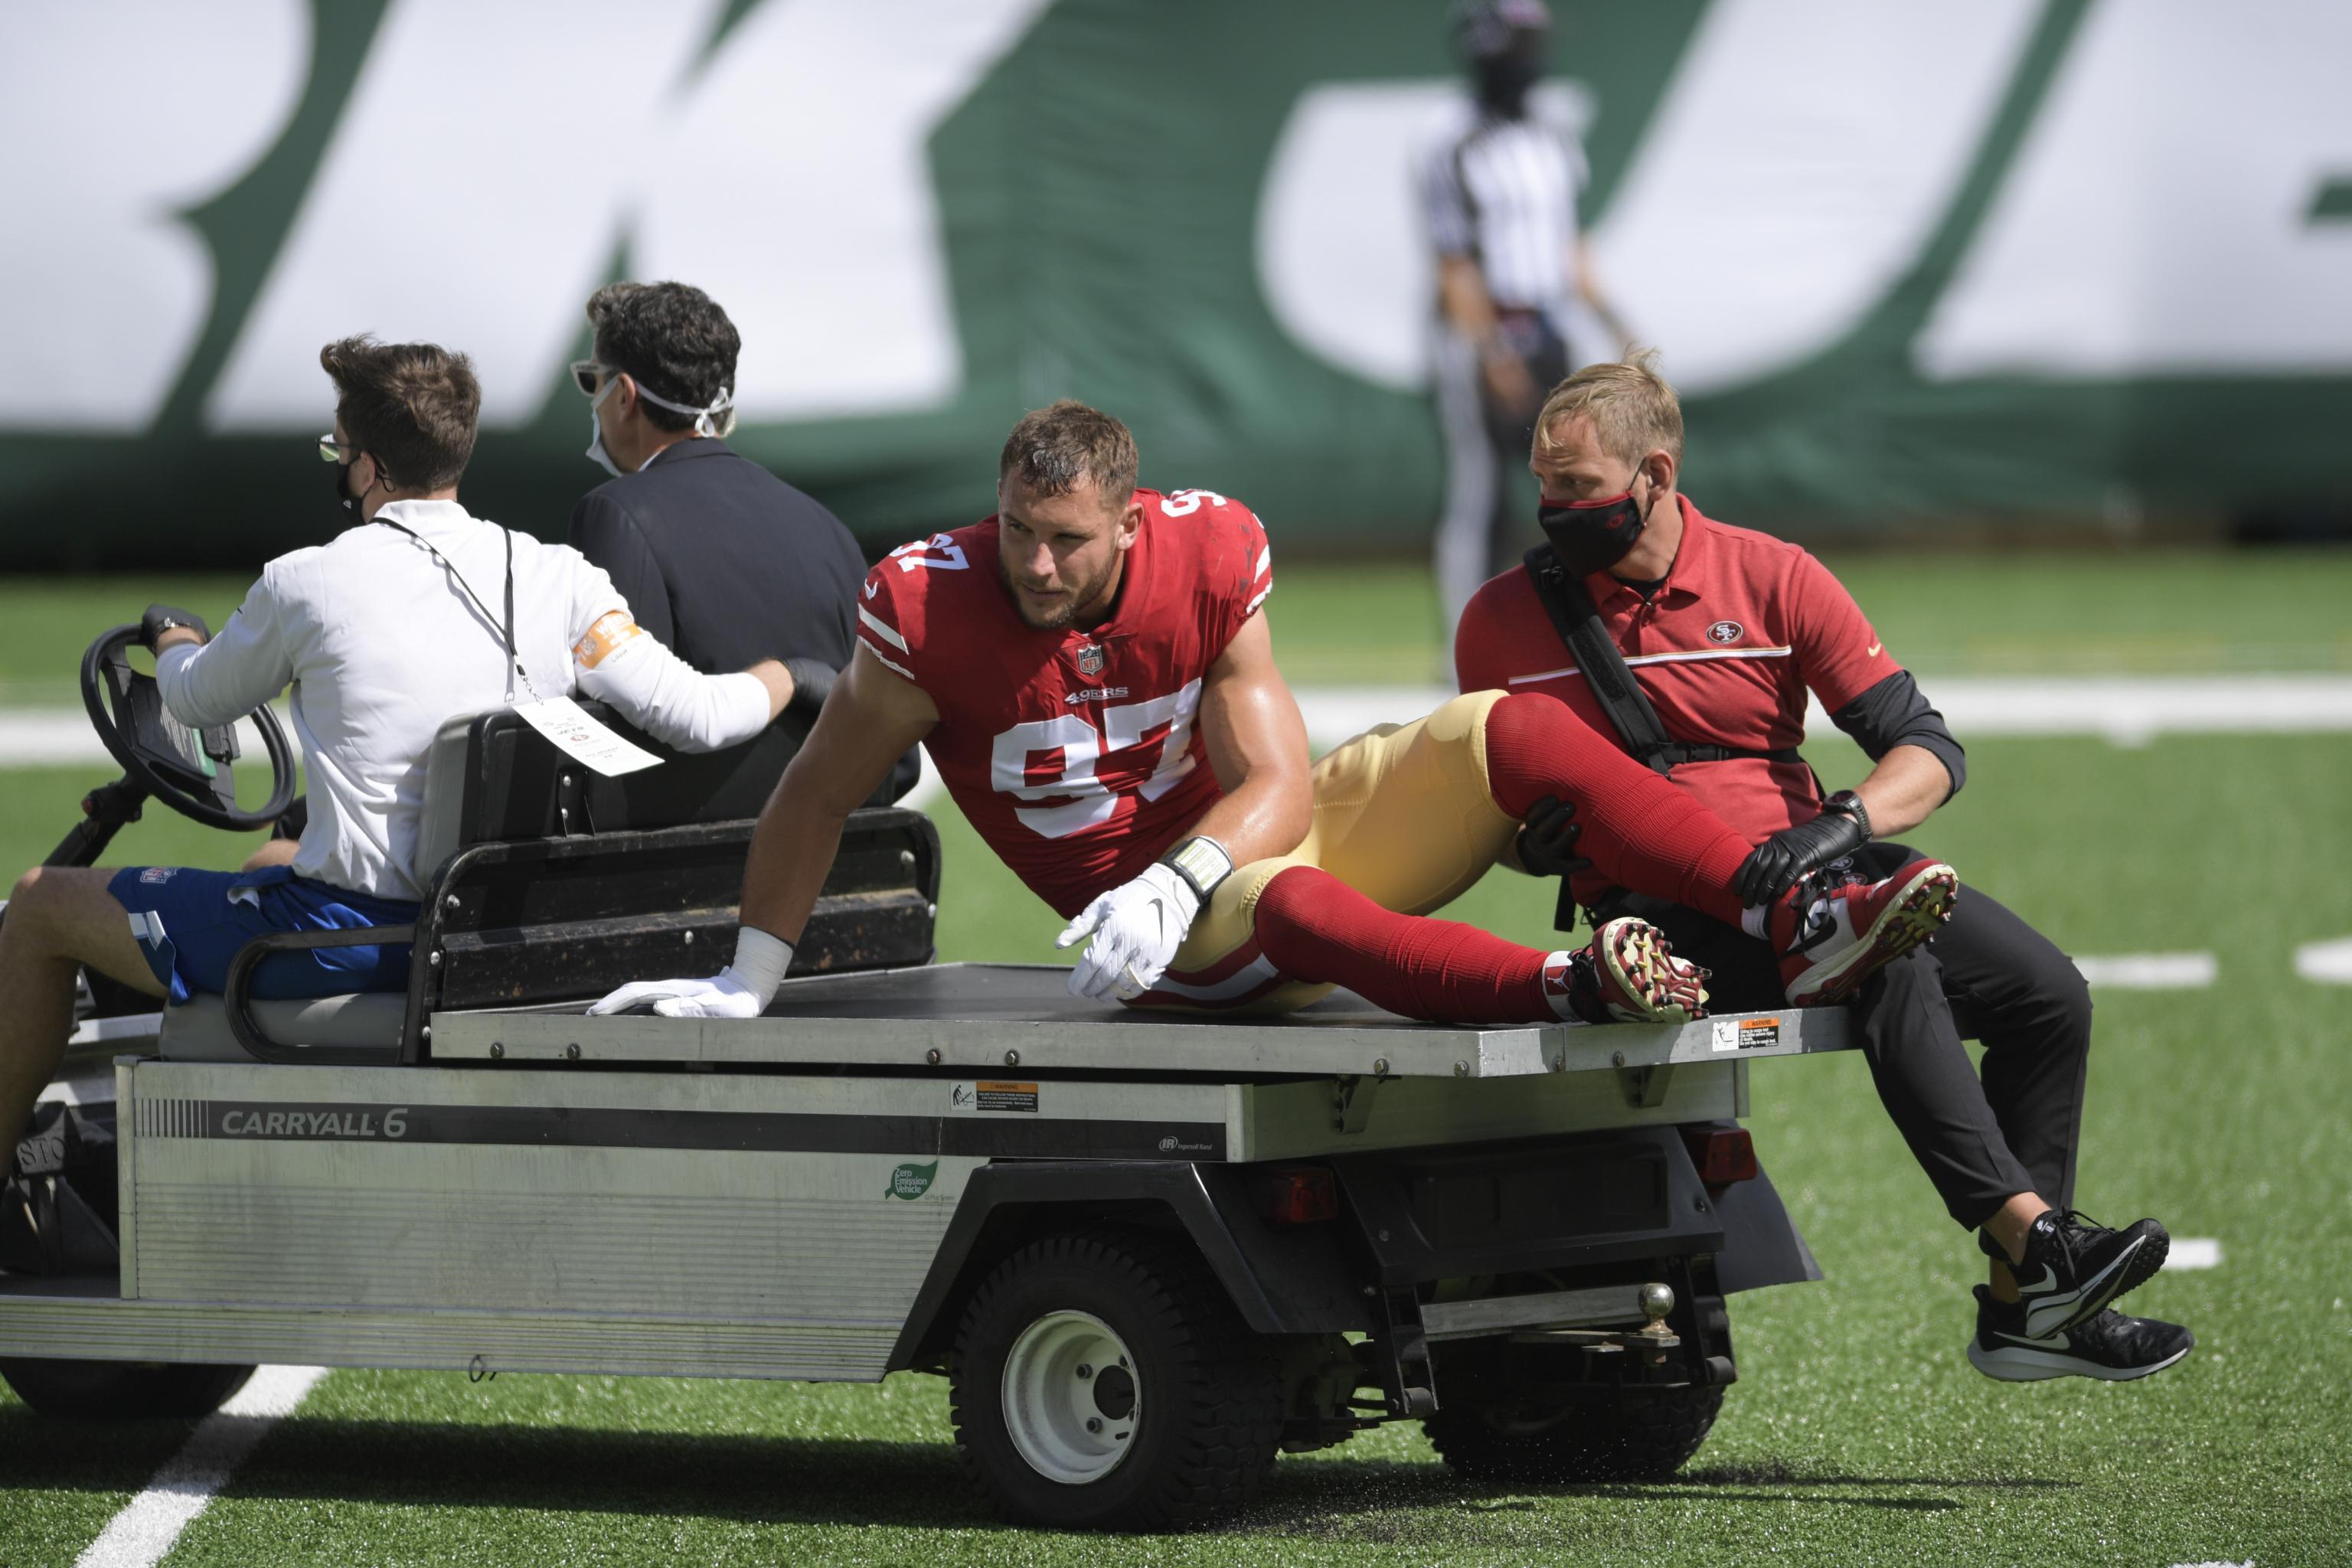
(1656, 1299)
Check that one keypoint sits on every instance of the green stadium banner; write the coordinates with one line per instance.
(1909, 263)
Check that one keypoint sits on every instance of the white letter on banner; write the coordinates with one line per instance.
(1343, 252)
(797, 189)
(493, 157)
(118, 119)
(2158, 218)
(1804, 152)
(471, 197)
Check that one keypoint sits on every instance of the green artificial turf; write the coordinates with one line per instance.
(2153, 613)
(1857, 1432)
(45, 622)
(39, 805)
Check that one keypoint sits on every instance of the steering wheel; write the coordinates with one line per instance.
(187, 769)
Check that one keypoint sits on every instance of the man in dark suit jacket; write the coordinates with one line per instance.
(717, 558)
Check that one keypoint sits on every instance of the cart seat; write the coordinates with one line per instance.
(198, 1030)
(554, 883)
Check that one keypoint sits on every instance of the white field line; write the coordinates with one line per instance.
(145, 1531)
(2325, 962)
(2126, 709)
(61, 737)
(2150, 971)
(2194, 1252)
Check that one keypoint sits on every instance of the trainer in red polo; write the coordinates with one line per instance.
(1727, 632)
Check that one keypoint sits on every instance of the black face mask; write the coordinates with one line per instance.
(344, 486)
(1505, 79)
(1591, 536)
(1504, 83)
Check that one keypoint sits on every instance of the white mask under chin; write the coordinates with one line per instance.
(596, 453)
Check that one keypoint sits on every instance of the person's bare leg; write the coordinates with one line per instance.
(2008, 1226)
(59, 917)
(276, 852)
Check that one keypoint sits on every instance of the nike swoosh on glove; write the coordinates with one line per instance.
(1137, 928)
(723, 995)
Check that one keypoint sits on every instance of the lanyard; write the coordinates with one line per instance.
(514, 661)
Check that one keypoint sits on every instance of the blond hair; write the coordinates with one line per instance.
(1634, 410)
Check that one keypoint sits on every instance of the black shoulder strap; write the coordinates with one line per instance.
(1578, 621)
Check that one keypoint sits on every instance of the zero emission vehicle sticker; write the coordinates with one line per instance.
(911, 1181)
(1745, 1034)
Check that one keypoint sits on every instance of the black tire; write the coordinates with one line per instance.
(1603, 1435)
(1205, 1394)
(122, 1390)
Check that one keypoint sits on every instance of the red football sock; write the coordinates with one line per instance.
(1314, 927)
(1640, 831)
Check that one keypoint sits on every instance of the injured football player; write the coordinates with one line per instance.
(1091, 675)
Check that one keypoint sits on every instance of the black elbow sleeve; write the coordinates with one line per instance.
(1895, 712)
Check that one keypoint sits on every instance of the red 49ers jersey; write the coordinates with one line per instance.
(1075, 753)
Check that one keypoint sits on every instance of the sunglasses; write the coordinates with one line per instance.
(334, 451)
(584, 372)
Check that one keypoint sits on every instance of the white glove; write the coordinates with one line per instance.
(741, 990)
(1137, 928)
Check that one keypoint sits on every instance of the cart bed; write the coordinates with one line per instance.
(995, 1016)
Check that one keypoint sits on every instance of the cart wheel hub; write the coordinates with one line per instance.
(1071, 1401)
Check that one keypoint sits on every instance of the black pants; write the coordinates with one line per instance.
(1979, 1141)
(1510, 432)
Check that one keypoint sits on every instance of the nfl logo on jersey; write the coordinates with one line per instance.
(1091, 661)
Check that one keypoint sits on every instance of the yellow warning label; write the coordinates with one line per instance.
(1006, 1096)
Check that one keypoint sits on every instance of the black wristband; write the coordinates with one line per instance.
(812, 682)
(1847, 803)
(1202, 862)
(162, 618)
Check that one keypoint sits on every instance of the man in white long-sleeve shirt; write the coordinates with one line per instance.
(386, 633)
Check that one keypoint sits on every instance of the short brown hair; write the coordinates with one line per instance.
(413, 407)
(1635, 410)
(1057, 446)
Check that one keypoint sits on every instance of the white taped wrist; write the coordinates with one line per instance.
(760, 964)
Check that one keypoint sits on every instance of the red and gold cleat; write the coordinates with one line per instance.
(1832, 929)
(1627, 974)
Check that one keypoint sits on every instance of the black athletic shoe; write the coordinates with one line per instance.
(2106, 1345)
(2075, 1267)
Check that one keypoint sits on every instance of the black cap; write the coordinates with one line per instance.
(1485, 28)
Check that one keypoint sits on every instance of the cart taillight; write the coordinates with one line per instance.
(1722, 1154)
(1302, 1197)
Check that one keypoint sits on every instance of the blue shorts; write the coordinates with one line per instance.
(190, 924)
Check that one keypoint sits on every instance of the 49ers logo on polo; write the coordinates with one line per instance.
(1142, 750)
(1725, 631)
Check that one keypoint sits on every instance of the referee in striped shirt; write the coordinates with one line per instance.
(1499, 183)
